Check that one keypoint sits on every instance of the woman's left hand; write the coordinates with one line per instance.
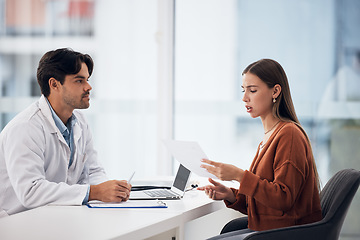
(223, 171)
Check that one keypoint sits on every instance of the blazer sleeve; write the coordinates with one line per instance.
(239, 204)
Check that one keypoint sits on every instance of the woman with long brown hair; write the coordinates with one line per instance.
(281, 187)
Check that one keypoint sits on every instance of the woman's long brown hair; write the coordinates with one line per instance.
(272, 73)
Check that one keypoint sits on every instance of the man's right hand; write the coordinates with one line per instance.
(110, 191)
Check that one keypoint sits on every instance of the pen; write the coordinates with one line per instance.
(132, 175)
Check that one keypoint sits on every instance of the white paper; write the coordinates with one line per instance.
(189, 154)
(128, 204)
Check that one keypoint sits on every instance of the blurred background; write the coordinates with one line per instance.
(171, 69)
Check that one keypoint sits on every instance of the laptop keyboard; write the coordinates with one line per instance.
(161, 193)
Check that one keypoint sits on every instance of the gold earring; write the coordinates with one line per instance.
(274, 100)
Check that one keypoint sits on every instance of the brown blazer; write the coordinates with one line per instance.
(280, 189)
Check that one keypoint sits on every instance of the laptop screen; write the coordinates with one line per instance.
(181, 178)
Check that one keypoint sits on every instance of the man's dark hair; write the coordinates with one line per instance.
(59, 63)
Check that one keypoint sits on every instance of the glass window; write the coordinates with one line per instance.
(48, 17)
(121, 38)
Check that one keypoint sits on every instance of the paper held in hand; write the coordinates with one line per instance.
(189, 154)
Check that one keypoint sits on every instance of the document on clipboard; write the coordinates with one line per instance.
(189, 154)
(128, 204)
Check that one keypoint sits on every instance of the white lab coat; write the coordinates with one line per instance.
(34, 158)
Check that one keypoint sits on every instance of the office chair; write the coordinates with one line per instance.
(335, 199)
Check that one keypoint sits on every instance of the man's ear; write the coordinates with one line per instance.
(53, 84)
(276, 91)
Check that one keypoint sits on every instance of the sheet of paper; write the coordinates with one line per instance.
(128, 204)
(188, 154)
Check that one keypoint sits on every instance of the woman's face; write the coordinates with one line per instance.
(257, 96)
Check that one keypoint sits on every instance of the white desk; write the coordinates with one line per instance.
(81, 222)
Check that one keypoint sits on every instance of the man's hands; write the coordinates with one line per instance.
(110, 191)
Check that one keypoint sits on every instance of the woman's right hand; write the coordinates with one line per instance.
(218, 191)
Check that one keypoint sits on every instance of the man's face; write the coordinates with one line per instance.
(76, 90)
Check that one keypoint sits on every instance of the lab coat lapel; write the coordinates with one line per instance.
(77, 133)
(45, 109)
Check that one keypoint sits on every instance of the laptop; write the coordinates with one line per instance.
(176, 191)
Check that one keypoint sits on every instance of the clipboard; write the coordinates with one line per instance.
(128, 204)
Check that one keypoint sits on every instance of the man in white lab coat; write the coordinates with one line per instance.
(46, 151)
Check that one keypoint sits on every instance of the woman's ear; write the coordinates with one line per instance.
(276, 91)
